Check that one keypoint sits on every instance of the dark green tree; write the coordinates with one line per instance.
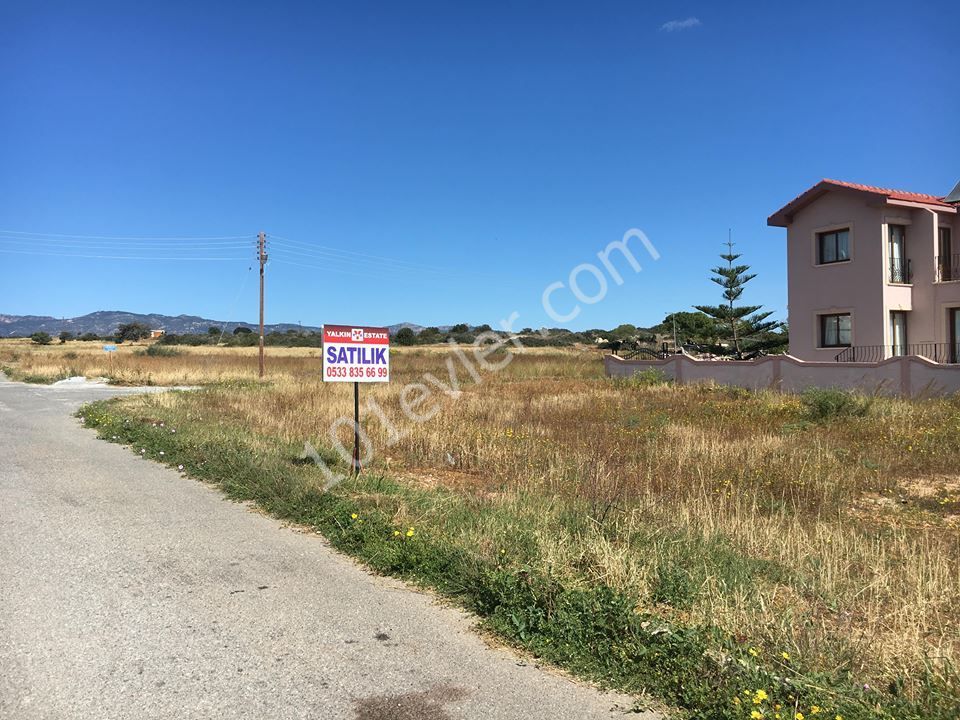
(695, 327)
(132, 332)
(405, 336)
(739, 322)
(624, 332)
(41, 338)
(241, 330)
(65, 335)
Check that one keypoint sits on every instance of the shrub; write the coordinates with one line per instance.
(159, 351)
(829, 403)
(41, 338)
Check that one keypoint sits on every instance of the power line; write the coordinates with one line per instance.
(326, 250)
(327, 268)
(130, 237)
(332, 262)
(113, 257)
(124, 245)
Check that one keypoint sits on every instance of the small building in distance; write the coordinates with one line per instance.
(154, 334)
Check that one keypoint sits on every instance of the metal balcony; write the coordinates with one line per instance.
(948, 267)
(947, 353)
(900, 271)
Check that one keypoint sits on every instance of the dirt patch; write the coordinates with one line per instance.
(427, 705)
(429, 479)
(917, 503)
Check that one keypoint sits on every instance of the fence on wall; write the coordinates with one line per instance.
(910, 375)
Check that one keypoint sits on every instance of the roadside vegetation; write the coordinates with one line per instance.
(724, 552)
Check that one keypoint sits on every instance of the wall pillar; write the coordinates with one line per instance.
(905, 389)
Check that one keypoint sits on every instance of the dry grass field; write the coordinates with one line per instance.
(824, 542)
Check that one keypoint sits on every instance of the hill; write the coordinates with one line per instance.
(105, 322)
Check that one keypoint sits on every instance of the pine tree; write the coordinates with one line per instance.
(743, 321)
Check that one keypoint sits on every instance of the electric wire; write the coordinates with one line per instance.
(322, 249)
(130, 237)
(339, 262)
(115, 257)
(99, 244)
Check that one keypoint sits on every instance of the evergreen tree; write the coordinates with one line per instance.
(739, 321)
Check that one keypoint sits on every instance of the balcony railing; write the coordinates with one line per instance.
(937, 352)
(948, 267)
(900, 270)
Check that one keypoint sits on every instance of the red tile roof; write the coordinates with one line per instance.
(783, 216)
(892, 194)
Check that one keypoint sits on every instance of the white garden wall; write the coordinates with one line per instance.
(909, 376)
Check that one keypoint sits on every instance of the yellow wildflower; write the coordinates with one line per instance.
(785, 655)
(754, 652)
(756, 715)
(353, 516)
(410, 532)
(799, 716)
(760, 695)
(814, 709)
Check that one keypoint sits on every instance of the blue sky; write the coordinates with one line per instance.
(488, 148)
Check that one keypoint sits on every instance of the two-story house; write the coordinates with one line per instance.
(872, 273)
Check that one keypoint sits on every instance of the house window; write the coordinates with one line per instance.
(948, 264)
(898, 332)
(833, 246)
(897, 252)
(835, 330)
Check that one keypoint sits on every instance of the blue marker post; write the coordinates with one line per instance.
(110, 350)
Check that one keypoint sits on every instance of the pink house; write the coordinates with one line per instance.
(872, 273)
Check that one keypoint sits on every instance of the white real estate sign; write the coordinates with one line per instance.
(356, 354)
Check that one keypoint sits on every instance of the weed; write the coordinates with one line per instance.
(829, 403)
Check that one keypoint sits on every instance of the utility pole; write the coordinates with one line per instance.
(262, 256)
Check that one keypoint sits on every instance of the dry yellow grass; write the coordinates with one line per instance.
(763, 510)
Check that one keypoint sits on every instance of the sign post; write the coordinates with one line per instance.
(110, 350)
(356, 354)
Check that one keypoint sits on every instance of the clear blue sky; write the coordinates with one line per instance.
(503, 143)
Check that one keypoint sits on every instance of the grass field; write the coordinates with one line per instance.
(727, 552)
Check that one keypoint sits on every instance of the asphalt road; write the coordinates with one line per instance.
(128, 591)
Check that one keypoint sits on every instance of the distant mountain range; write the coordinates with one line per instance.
(105, 322)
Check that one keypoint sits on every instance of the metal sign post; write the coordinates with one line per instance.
(356, 354)
(356, 429)
(110, 350)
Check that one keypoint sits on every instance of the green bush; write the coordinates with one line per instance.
(41, 338)
(830, 403)
(159, 351)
